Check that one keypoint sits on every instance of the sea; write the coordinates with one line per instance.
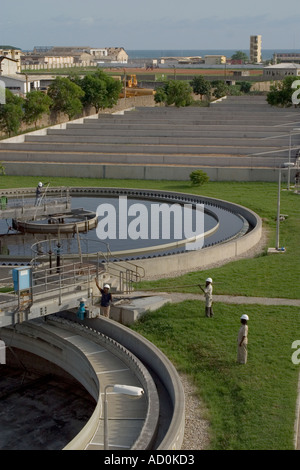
(150, 54)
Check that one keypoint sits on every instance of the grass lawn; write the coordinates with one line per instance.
(249, 406)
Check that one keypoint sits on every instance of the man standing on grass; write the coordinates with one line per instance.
(208, 297)
(242, 352)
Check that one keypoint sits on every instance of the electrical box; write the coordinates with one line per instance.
(21, 278)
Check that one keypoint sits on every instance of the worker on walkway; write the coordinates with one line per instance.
(208, 297)
(106, 299)
(38, 194)
(242, 352)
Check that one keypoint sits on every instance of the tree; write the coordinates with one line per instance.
(201, 86)
(240, 55)
(281, 93)
(100, 90)
(11, 113)
(66, 96)
(160, 95)
(114, 88)
(36, 104)
(245, 87)
(174, 92)
(198, 177)
(220, 88)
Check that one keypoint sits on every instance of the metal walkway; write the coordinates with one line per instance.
(56, 283)
(20, 203)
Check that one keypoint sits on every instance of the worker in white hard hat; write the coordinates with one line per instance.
(38, 194)
(208, 297)
(106, 299)
(242, 340)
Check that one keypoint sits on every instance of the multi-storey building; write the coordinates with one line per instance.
(255, 49)
(13, 53)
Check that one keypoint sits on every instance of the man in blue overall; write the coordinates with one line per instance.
(106, 299)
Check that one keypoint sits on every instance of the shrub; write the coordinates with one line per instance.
(198, 177)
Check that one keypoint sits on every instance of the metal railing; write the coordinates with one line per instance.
(126, 272)
(53, 276)
(25, 199)
(47, 283)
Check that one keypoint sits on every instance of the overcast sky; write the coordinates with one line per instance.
(151, 24)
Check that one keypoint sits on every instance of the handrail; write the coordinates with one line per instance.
(132, 272)
(19, 196)
(60, 278)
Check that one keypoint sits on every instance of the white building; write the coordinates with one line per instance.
(215, 59)
(10, 52)
(8, 66)
(20, 84)
(280, 71)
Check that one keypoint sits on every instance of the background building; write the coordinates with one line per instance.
(284, 57)
(13, 53)
(280, 71)
(215, 59)
(8, 66)
(255, 49)
(58, 57)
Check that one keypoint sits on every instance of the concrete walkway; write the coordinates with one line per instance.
(228, 299)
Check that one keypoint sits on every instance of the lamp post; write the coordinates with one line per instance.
(129, 390)
(287, 165)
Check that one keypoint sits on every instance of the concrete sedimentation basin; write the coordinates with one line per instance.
(238, 139)
(147, 145)
(46, 339)
(156, 264)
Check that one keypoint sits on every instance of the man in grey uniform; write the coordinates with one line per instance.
(242, 340)
(208, 297)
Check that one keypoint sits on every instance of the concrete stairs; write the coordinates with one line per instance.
(239, 131)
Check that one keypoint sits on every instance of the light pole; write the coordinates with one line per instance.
(129, 390)
(287, 165)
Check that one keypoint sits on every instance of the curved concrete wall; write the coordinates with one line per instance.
(189, 260)
(149, 354)
(32, 337)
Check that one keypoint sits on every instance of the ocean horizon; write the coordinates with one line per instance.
(159, 53)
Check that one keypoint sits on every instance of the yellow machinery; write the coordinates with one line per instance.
(131, 82)
(132, 88)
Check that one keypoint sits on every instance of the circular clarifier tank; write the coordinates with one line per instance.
(131, 224)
